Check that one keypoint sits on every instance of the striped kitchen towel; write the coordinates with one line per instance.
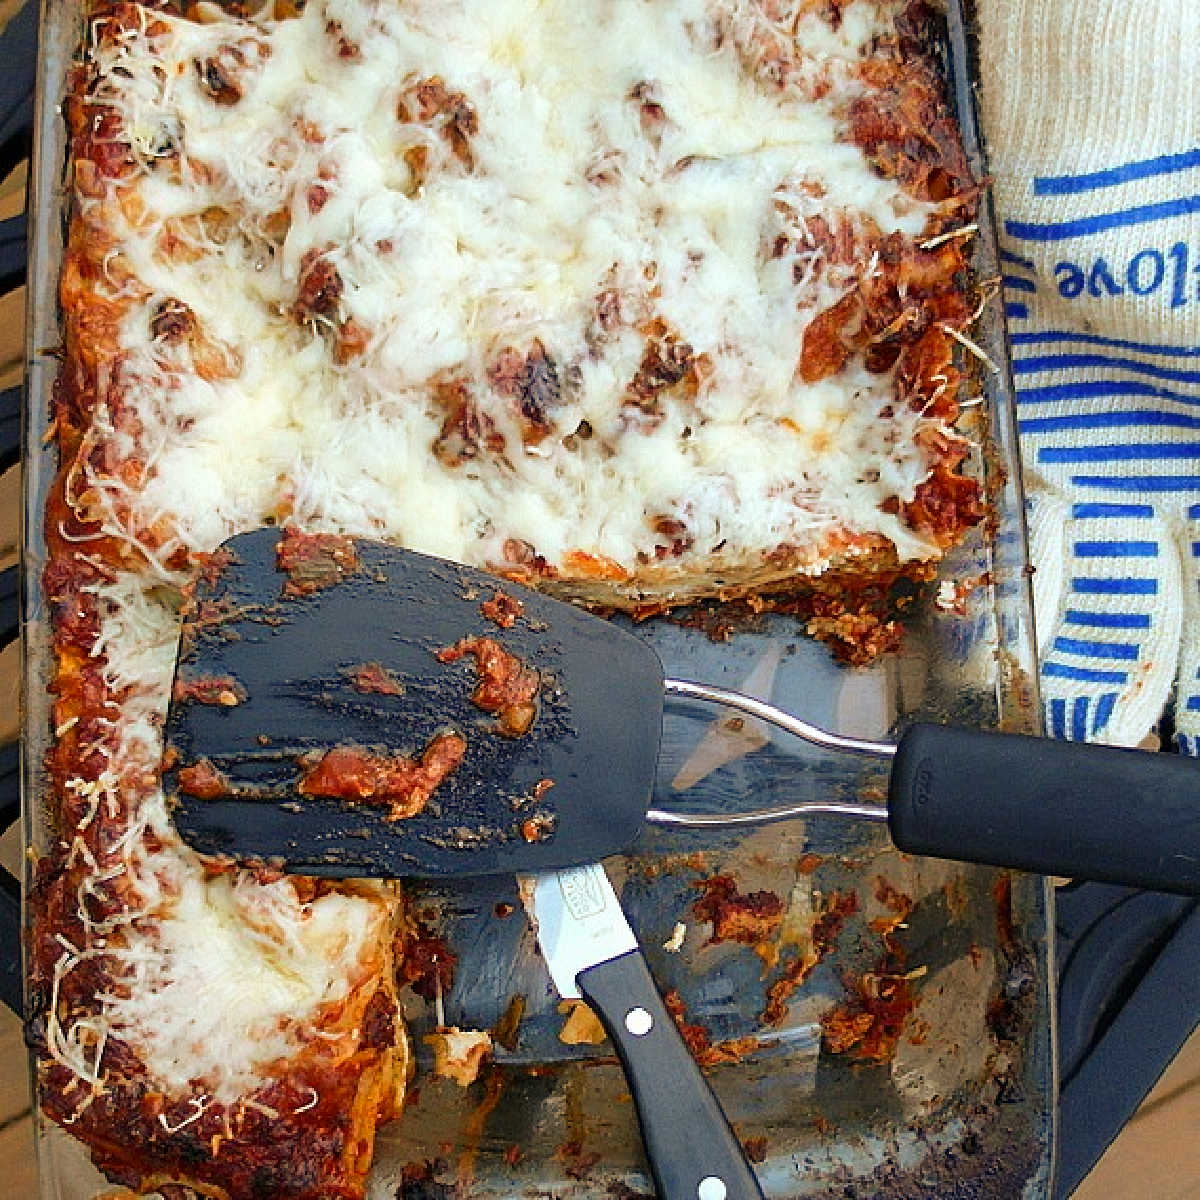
(1092, 116)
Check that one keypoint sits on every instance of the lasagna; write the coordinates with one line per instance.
(639, 301)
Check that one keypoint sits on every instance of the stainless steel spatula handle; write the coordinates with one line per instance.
(1074, 809)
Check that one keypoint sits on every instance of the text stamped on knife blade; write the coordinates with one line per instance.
(581, 892)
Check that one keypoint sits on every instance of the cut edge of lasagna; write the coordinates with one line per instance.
(635, 319)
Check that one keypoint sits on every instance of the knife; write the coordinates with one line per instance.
(591, 952)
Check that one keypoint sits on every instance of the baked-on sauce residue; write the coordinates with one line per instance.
(401, 784)
(698, 1039)
(314, 561)
(374, 679)
(869, 1023)
(538, 827)
(221, 690)
(823, 939)
(507, 687)
(503, 610)
(749, 918)
(424, 960)
(202, 780)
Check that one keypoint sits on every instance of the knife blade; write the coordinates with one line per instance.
(579, 923)
(592, 953)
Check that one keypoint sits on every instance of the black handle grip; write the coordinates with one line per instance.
(19, 54)
(10, 888)
(693, 1153)
(1055, 808)
(10, 452)
(10, 942)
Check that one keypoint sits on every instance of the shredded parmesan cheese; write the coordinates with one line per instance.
(624, 169)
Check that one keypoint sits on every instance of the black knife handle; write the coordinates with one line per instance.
(1056, 808)
(693, 1153)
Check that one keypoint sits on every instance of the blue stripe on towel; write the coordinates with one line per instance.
(1141, 214)
(1146, 168)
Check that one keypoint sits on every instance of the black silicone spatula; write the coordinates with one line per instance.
(346, 650)
(343, 651)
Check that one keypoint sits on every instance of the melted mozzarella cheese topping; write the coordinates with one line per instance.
(218, 977)
(645, 151)
(231, 981)
(617, 146)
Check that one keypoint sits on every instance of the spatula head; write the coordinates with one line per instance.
(326, 687)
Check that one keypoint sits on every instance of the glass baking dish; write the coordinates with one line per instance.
(955, 1097)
